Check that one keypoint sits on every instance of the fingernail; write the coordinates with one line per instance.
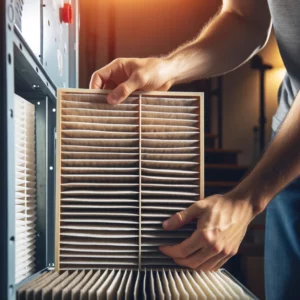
(113, 99)
(167, 223)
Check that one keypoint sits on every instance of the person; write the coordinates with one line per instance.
(236, 33)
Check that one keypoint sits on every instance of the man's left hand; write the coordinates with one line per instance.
(222, 222)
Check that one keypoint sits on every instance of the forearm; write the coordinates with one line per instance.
(226, 43)
(279, 165)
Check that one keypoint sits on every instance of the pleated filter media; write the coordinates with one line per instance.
(25, 181)
(120, 171)
(128, 284)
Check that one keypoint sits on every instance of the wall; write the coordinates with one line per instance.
(156, 27)
(241, 103)
(143, 28)
(93, 38)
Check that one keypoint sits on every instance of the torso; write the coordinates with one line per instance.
(286, 22)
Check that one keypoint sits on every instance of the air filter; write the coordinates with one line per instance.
(133, 285)
(122, 170)
(25, 199)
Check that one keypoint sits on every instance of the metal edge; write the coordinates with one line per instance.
(246, 290)
(41, 181)
(7, 161)
(51, 163)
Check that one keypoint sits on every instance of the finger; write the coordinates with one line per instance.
(185, 248)
(181, 218)
(123, 90)
(109, 85)
(164, 87)
(196, 259)
(210, 263)
(100, 77)
(221, 263)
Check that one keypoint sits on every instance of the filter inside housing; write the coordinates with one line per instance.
(116, 284)
(25, 190)
(122, 170)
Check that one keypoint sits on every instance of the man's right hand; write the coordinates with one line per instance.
(237, 32)
(126, 75)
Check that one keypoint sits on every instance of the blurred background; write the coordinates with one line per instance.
(239, 105)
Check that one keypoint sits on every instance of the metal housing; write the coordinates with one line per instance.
(29, 65)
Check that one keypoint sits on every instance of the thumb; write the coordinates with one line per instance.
(103, 75)
(123, 90)
(181, 218)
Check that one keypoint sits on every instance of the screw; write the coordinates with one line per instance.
(51, 168)
(39, 103)
(11, 240)
(11, 289)
(54, 109)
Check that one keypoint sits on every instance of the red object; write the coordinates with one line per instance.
(67, 13)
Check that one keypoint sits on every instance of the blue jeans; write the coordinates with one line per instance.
(282, 245)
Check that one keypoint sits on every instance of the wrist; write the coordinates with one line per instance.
(189, 63)
(248, 191)
(170, 65)
(178, 67)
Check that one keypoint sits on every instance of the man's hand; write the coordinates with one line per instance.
(126, 75)
(222, 222)
(248, 23)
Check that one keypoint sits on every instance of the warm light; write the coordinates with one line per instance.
(276, 75)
